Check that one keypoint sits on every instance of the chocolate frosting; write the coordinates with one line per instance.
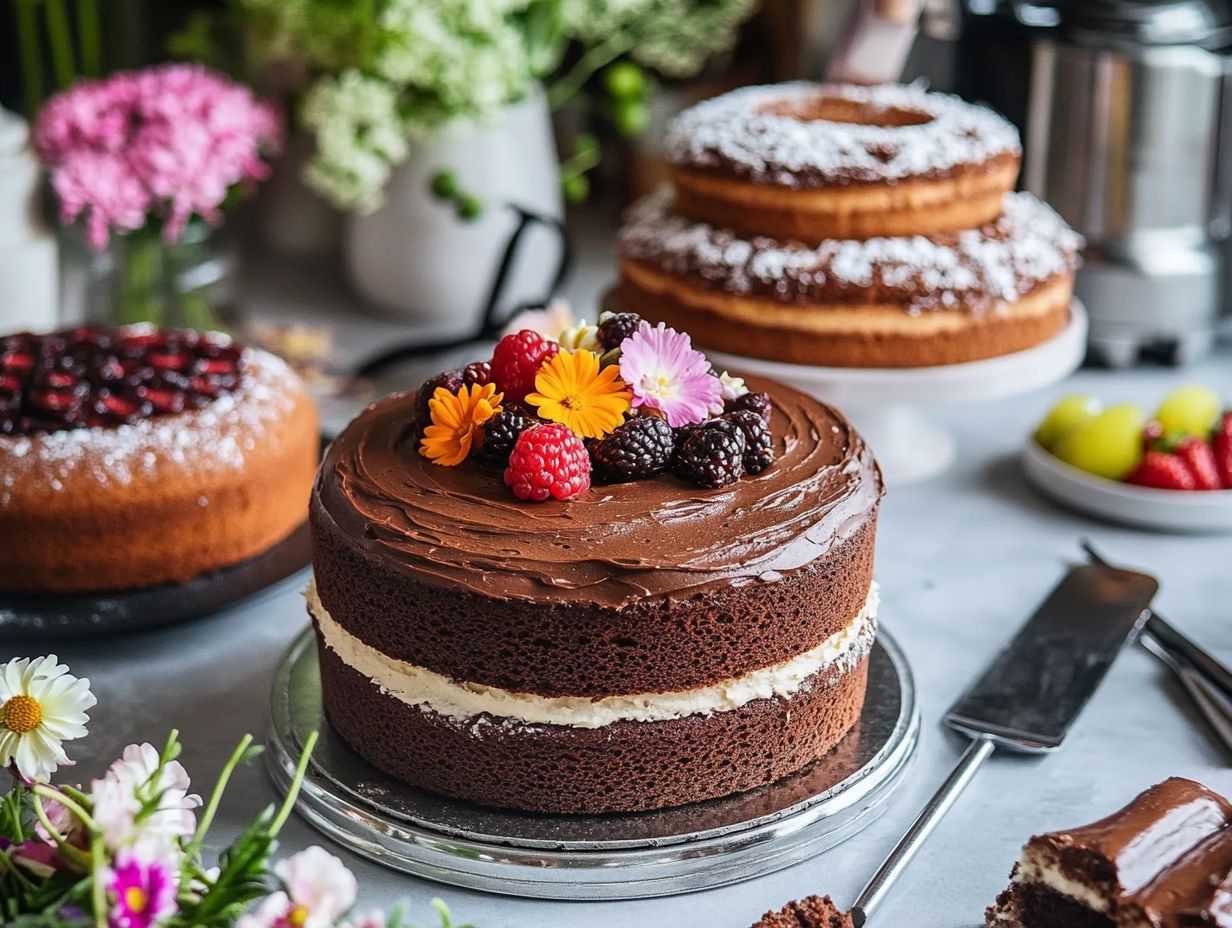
(460, 527)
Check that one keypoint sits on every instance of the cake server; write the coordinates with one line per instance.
(1030, 695)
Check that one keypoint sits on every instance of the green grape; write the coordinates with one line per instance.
(1191, 410)
(1068, 413)
(577, 188)
(1109, 445)
(445, 184)
(630, 118)
(625, 81)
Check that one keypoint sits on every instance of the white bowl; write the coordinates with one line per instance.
(1145, 507)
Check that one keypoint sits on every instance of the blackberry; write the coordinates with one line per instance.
(757, 402)
(500, 434)
(450, 380)
(614, 328)
(640, 448)
(712, 456)
(477, 372)
(758, 446)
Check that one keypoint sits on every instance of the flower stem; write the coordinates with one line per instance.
(296, 782)
(30, 53)
(48, 793)
(61, 42)
(89, 37)
(70, 853)
(607, 51)
(211, 809)
(98, 892)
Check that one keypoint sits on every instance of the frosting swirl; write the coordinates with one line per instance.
(459, 527)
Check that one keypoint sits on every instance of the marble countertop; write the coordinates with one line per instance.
(962, 560)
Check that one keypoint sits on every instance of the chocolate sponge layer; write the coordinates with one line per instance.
(656, 645)
(622, 767)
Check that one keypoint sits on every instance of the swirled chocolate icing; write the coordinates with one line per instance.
(459, 527)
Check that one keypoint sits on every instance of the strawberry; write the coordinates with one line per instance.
(1164, 471)
(1222, 443)
(1200, 458)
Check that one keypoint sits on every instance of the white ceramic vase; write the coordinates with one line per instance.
(416, 259)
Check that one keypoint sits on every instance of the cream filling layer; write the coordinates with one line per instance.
(460, 700)
(1045, 872)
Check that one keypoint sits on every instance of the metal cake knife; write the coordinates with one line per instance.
(1030, 695)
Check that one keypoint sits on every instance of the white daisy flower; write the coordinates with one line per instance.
(130, 806)
(41, 706)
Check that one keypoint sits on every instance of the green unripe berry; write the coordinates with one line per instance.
(577, 188)
(445, 184)
(468, 207)
(625, 81)
(630, 118)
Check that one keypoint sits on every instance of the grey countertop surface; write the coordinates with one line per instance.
(962, 560)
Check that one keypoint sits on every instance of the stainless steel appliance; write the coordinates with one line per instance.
(1127, 131)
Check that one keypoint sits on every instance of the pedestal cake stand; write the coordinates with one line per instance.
(885, 403)
(595, 857)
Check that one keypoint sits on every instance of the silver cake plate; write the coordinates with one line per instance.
(625, 856)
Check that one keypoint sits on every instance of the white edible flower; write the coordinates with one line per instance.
(41, 706)
(730, 388)
(549, 321)
(581, 336)
(319, 891)
(129, 785)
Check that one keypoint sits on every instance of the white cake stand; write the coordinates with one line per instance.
(886, 404)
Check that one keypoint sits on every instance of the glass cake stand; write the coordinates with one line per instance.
(595, 857)
(886, 403)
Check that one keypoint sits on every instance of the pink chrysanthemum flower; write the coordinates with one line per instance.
(667, 374)
(167, 143)
(142, 892)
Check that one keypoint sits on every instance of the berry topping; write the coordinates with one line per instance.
(614, 328)
(548, 462)
(712, 454)
(500, 434)
(93, 376)
(517, 360)
(758, 445)
(477, 372)
(756, 402)
(640, 448)
(450, 380)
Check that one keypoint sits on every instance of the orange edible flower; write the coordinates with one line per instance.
(456, 420)
(574, 390)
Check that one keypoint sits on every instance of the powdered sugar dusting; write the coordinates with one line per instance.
(213, 438)
(1028, 244)
(739, 132)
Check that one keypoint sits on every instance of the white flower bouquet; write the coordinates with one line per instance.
(130, 850)
(378, 73)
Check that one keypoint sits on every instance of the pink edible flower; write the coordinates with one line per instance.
(142, 892)
(165, 143)
(319, 890)
(667, 374)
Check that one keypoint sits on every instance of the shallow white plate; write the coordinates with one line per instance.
(1144, 507)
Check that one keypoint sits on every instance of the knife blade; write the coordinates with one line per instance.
(1032, 692)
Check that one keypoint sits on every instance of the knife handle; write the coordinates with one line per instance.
(1211, 702)
(929, 818)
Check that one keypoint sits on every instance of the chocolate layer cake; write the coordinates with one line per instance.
(1163, 861)
(642, 645)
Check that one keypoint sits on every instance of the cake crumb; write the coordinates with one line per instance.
(810, 912)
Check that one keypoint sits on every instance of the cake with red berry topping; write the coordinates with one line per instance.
(134, 457)
(594, 575)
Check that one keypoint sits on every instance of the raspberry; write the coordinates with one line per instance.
(548, 462)
(758, 446)
(757, 402)
(614, 328)
(477, 372)
(450, 380)
(517, 360)
(712, 455)
(500, 434)
(640, 448)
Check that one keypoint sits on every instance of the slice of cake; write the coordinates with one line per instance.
(688, 614)
(810, 912)
(1163, 860)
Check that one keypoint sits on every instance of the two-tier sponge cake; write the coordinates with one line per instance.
(848, 227)
(641, 644)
